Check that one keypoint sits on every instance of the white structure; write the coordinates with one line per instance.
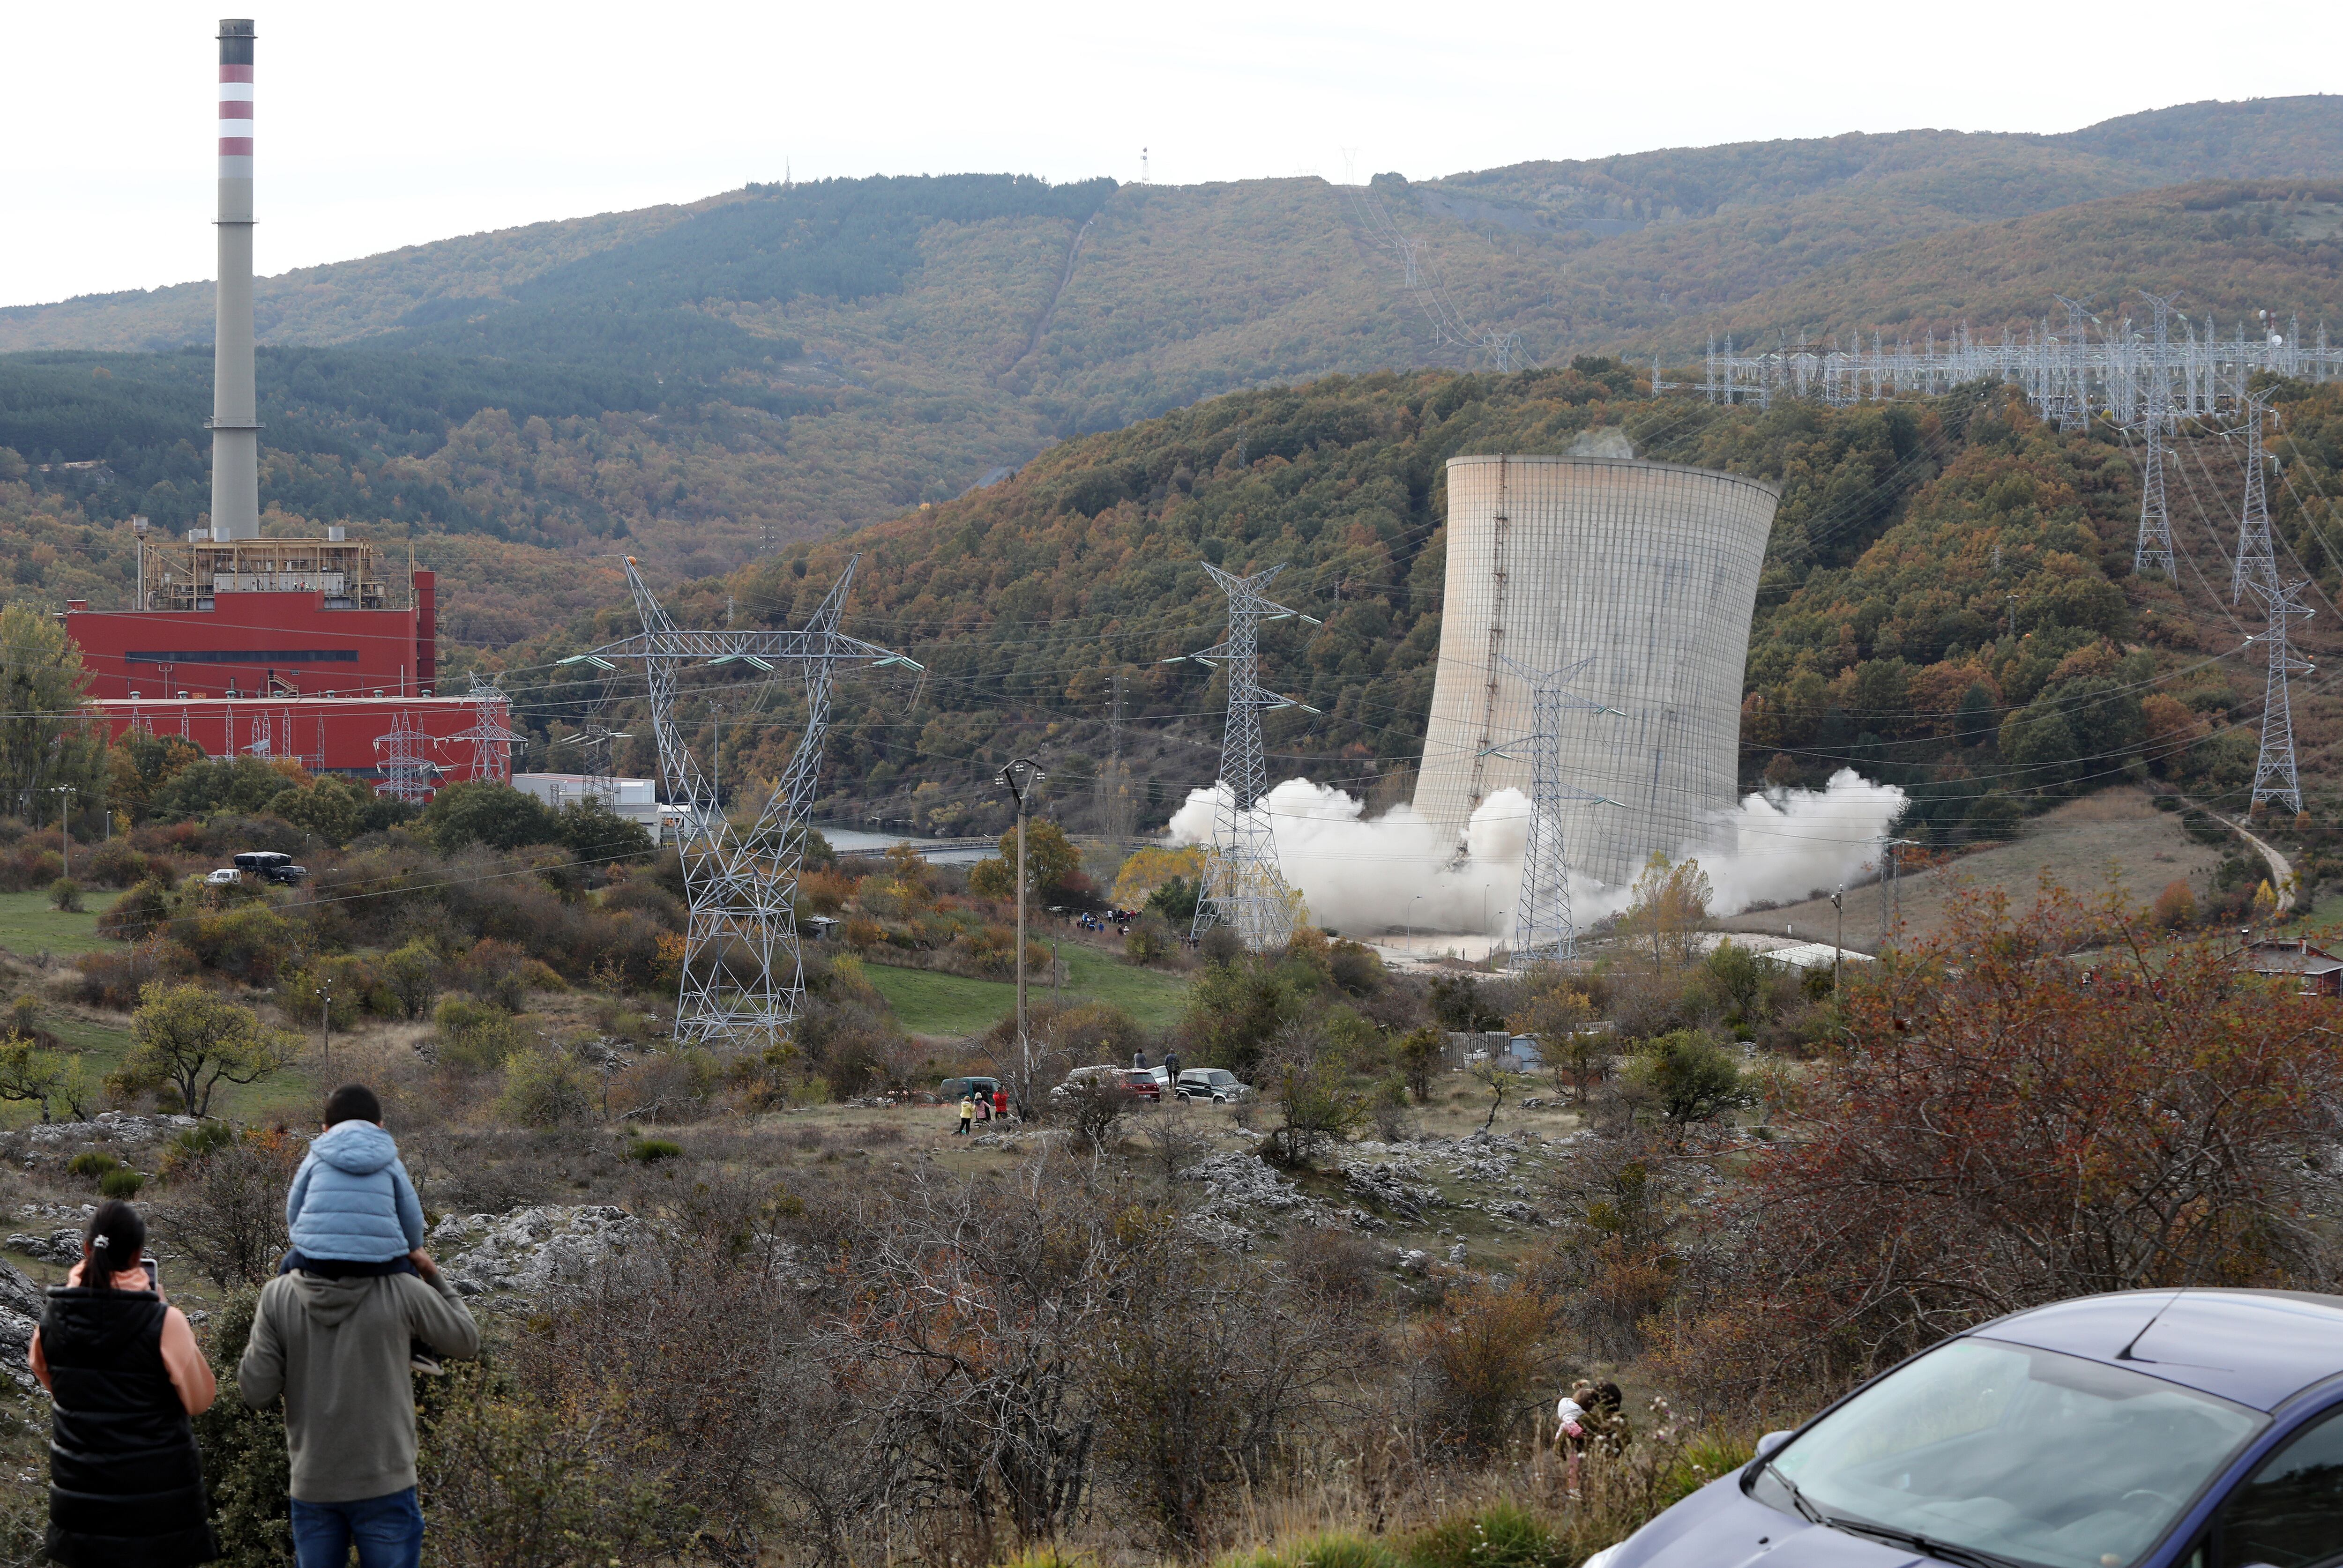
(636, 800)
(1646, 572)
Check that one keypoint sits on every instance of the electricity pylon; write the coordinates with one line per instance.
(2257, 566)
(2153, 553)
(2274, 773)
(1242, 885)
(2075, 395)
(743, 976)
(491, 737)
(406, 771)
(1544, 930)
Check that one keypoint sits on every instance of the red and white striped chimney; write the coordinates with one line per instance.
(236, 418)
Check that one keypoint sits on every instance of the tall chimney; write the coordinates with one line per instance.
(235, 421)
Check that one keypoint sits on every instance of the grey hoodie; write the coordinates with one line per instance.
(336, 1350)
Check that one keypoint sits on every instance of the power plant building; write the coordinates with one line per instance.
(302, 648)
(1649, 572)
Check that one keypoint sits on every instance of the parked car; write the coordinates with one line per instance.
(1082, 1077)
(2143, 1428)
(1213, 1084)
(957, 1089)
(270, 865)
(1142, 1084)
(226, 877)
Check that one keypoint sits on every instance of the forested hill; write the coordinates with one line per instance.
(695, 384)
(1946, 602)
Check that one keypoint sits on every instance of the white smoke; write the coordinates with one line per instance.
(1400, 871)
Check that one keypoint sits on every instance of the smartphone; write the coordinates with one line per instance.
(154, 1274)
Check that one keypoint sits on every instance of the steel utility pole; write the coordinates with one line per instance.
(65, 820)
(1018, 777)
(1838, 944)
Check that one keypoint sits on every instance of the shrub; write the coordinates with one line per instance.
(412, 973)
(1319, 1552)
(115, 864)
(122, 1183)
(91, 1163)
(65, 894)
(1501, 1536)
(1486, 1348)
(650, 1150)
(1693, 1078)
(228, 1206)
(138, 914)
(2175, 907)
(472, 1036)
(114, 979)
(246, 944)
(546, 1088)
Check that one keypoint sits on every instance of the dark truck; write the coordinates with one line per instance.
(269, 866)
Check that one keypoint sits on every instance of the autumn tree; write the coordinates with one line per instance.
(1667, 907)
(2029, 1106)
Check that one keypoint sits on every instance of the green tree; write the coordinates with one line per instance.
(185, 1039)
(47, 737)
(1421, 1052)
(484, 811)
(1051, 859)
(596, 835)
(244, 785)
(1692, 1077)
(333, 809)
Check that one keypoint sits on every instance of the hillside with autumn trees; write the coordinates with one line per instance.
(1947, 603)
(695, 384)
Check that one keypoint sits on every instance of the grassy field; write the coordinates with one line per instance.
(939, 1004)
(28, 926)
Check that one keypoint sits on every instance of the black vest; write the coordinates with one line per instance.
(125, 1489)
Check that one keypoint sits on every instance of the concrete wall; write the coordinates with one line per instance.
(1650, 569)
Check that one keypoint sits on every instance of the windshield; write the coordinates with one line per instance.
(2040, 1458)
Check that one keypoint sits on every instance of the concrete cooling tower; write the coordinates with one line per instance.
(1649, 570)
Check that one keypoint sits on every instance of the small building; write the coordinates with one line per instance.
(2321, 972)
(636, 800)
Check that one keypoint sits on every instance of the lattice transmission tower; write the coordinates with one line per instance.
(2073, 396)
(1243, 888)
(406, 773)
(2153, 553)
(2257, 566)
(491, 737)
(1544, 930)
(743, 976)
(2274, 773)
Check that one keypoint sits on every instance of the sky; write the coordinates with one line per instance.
(374, 132)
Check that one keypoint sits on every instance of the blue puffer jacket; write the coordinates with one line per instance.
(351, 1199)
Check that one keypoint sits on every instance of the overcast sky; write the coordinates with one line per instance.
(379, 126)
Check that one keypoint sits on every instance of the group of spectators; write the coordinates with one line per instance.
(358, 1308)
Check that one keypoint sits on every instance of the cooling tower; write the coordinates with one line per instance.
(1647, 569)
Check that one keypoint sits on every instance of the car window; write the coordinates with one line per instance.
(1978, 1444)
(2289, 1512)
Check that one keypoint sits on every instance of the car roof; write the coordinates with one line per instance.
(2259, 1348)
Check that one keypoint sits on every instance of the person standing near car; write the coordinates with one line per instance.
(121, 1363)
(967, 1115)
(1000, 1102)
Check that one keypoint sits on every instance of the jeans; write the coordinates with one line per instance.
(386, 1531)
(339, 1269)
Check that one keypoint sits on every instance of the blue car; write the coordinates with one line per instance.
(2144, 1428)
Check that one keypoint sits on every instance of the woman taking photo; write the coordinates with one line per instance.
(124, 1487)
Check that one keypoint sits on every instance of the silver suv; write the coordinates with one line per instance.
(1213, 1084)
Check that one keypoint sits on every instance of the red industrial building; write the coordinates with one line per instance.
(289, 648)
